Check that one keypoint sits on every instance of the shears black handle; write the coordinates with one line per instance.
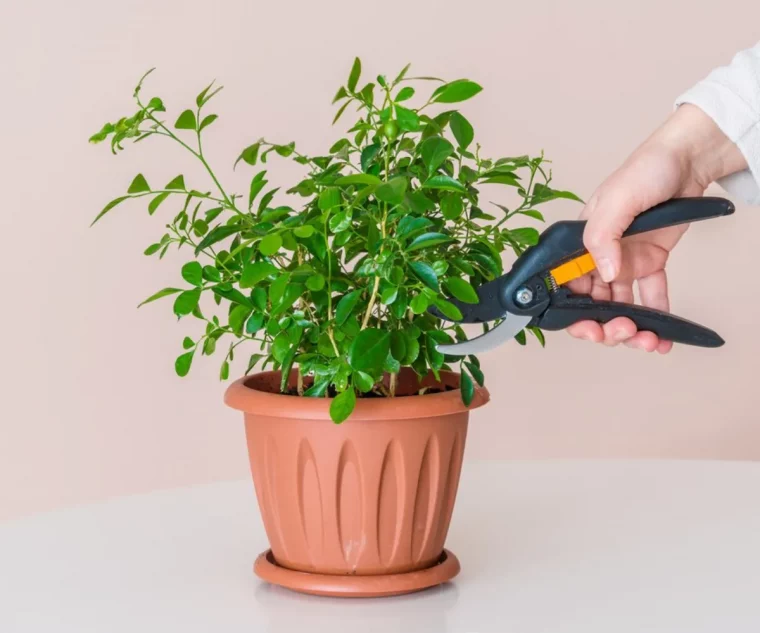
(566, 309)
(563, 241)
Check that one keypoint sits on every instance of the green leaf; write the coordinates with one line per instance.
(192, 273)
(183, 363)
(152, 249)
(402, 74)
(440, 267)
(153, 204)
(256, 272)
(160, 294)
(353, 77)
(525, 236)
(287, 364)
(108, 207)
(186, 302)
(211, 273)
(399, 345)
(224, 371)
(204, 95)
(532, 213)
(368, 156)
(451, 206)
(139, 184)
(412, 351)
(363, 382)
(277, 288)
(339, 222)
(502, 179)
(455, 91)
(343, 405)
(177, 183)
(388, 296)
(408, 120)
(434, 151)
(270, 244)
(238, 316)
(419, 304)
(346, 305)
(418, 202)
(254, 323)
(444, 182)
(341, 94)
(217, 234)
(341, 111)
(207, 120)
(520, 337)
(259, 298)
(291, 294)
(392, 191)
(250, 155)
(538, 334)
(315, 283)
(468, 389)
(339, 145)
(255, 358)
(407, 92)
(187, 343)
(280, 346)
(329, 198)
(369, 350)
(304, 231)
(358, 179)
(318, 389)
(285, 150)
(426, 240)
(156, 105)
(542, 193)
(258, 182)
(186, 121)
(462, 130)
(448, 309)
(231, 294)
(426, 275)
(460, 289)
(410, 224)
(476, 372)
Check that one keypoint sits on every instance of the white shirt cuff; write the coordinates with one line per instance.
(741, 124)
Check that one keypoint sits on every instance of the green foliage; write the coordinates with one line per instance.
(335, 275)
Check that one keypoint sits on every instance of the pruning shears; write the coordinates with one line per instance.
(532, 293)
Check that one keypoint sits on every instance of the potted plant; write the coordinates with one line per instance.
(355, 422)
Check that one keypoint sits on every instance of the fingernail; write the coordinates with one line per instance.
(606, 270)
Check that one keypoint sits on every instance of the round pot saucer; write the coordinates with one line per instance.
(345, 586)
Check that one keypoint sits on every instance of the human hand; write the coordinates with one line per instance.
(679, 160)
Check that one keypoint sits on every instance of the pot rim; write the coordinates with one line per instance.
(242, 397)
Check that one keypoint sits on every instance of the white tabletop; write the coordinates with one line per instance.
(613, 547)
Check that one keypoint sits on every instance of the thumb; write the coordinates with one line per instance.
(609, 213)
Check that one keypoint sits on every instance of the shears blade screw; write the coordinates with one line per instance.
(524, 296)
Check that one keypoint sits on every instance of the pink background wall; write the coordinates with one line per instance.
(90, 405)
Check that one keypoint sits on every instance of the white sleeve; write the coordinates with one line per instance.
(730, 95)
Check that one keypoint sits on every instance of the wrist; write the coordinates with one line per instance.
(705, 152)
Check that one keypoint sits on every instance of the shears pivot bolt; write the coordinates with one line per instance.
(524, 296)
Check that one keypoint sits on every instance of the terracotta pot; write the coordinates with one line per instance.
(371, 496)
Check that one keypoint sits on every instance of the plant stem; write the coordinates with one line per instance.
(198, 154)
(376, 285)
(371, 304)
